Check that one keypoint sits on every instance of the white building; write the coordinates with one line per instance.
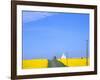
(63, 56)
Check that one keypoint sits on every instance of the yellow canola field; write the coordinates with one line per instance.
(72, 62)
(43, 63)
(35, 63)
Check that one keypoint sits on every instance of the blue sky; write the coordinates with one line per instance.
(49, 34)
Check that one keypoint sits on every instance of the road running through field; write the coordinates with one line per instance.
(55, 63)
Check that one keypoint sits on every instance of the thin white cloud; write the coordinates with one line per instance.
(34, 16)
